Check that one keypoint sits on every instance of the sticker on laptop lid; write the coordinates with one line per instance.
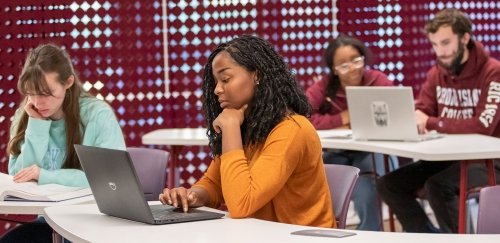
(380, 113)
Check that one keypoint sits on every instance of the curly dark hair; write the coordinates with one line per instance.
(333, 79)
(276, 96)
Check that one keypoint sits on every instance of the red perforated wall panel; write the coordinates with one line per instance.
(146, 57)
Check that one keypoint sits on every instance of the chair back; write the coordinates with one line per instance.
(341, 180)
(488, 219)
(150, 166)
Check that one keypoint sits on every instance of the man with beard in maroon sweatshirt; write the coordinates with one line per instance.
(461, 95)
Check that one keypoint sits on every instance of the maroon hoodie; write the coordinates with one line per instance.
(316, 96)
(467, 103)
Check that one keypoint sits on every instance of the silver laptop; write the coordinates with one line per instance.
(383, 113)
(118, 192)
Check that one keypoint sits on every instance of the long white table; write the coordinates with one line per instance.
(37, 208)
(84, 223)
(460, 147)
(176, 138)
(449, 147)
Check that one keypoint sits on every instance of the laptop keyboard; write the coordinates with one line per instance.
(169, 214)
(161, 212)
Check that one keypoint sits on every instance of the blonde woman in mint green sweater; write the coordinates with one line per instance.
(54, 115)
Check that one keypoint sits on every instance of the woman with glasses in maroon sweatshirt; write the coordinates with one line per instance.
(345, 58)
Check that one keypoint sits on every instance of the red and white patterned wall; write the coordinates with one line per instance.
(146, 57)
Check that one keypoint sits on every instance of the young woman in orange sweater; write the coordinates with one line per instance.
(267, 156)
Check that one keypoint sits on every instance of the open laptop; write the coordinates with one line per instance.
(384, 113)
(118, 192)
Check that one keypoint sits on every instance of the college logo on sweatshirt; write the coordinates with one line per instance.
(491, 106)
(460, 103)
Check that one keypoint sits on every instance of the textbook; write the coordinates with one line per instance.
(31, 191)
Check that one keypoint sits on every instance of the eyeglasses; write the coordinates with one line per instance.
(345, 67)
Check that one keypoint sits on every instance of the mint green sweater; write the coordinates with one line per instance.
(45, 142)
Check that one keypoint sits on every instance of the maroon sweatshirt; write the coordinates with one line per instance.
(316, 96)
(467, 103)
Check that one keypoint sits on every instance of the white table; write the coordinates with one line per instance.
(449, 147)
(84, 223)
(37, 208)
(176, 138)
(460, 147)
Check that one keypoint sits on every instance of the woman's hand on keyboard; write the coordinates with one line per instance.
(182, 197)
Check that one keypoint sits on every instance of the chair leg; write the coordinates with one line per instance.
(472, 211)
(56, 237)
(491, 172)
(463, 189)
(462, 213)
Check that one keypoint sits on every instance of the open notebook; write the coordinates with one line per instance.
(31, 191)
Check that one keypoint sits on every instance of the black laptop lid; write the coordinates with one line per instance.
(114, 183)
(118, 192)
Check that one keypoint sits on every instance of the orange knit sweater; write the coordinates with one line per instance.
(283, 180)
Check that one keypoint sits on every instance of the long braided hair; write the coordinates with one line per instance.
(277, 95)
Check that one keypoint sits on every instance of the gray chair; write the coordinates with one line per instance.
(488, 218)
(150, 166)
(341, 180)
